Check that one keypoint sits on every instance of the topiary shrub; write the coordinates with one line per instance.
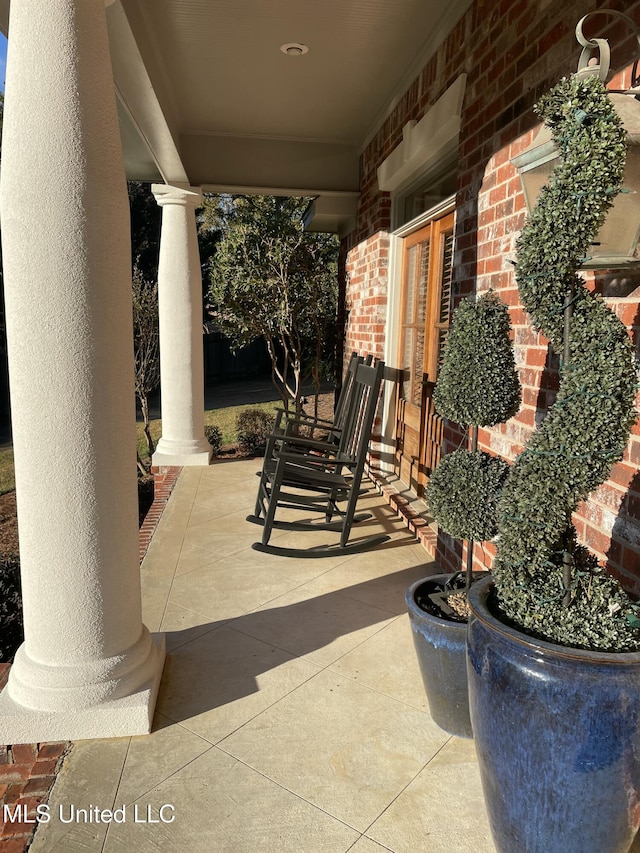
(253, 426)
(478, 383)
(213, 434)
(587, 429)
(462, 493)
(11, 631)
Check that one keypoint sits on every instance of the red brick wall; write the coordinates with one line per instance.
(366, 296)
(512, 53)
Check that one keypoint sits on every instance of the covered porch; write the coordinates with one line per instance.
(291, 714)
(300, 99)
(190, 97)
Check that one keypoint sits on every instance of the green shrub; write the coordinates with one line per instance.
(253, 426)
(11, 631)
(213, 434)
(587, 429)
(463, 491)
(478, 383)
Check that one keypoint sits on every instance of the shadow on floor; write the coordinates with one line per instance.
(226, 659)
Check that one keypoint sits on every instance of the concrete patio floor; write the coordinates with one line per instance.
(291, 715)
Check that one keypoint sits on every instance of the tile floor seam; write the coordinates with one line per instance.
(213, 562)
(293, 690)
(204, 565)
(220, 624)
(166, 778)
(277, 701)
(342, 594)
(220, 745)
(366, 838)
(270, 706)
(264, 603)
(327, 667)
(294, 655)
(289, 791)
(410, 782)
(347, 557)
(377, 691)
(218, 517)
(115, 794)
(304, 656)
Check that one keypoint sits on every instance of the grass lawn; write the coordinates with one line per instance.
(7, 480)
(225, 419)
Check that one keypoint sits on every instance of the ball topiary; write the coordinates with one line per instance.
(587, 429)
(478, 383)
(462, 493)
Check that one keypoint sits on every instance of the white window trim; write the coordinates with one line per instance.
(392, 324)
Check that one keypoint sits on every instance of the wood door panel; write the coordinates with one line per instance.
(408, 450)
(425, 310)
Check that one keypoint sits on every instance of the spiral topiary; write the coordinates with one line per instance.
(587, 429)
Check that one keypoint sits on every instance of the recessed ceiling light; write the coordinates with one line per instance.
(294, 48)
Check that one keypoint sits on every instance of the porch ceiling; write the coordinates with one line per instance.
(207, 97)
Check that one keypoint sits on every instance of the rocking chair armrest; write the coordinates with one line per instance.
(298, 441)
(291, 416)
(314, 466)
(303, 460)
(319, 473)
(311, 424)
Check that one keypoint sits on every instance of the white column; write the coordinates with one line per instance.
(180, 308)
(88, 666)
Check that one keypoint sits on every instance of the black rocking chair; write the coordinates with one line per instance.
(289, 423)
(321, 475)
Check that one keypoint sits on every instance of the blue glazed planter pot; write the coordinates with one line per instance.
(557, 737)
(441, 649)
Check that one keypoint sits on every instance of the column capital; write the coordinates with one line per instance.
(177, 194)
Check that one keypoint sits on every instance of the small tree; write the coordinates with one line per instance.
(146, 344)
(478, 386)
(270, 278)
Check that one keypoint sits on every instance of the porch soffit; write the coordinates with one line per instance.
(207, 97)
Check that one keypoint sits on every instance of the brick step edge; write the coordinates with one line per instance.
(420, 527)
(164, 479)
(27, 774)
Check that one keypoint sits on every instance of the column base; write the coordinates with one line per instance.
(123, 717)
(182, 453)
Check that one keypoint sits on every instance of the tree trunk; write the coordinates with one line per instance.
(144, 406)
